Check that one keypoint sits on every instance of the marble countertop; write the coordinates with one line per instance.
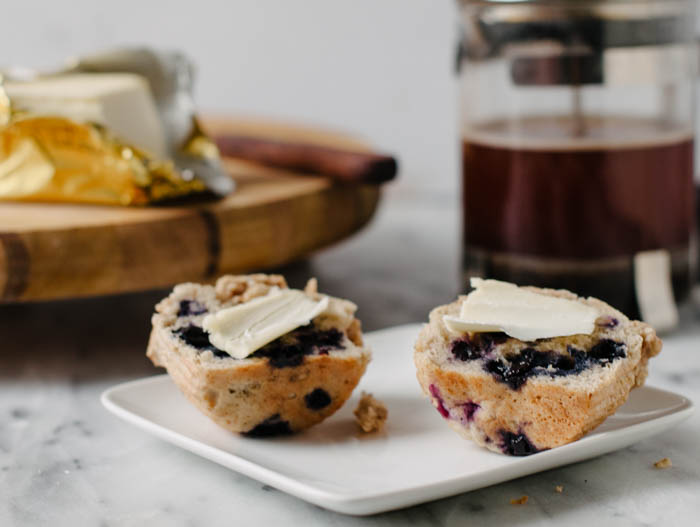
(64, 460)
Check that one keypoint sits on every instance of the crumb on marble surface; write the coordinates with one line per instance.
(370, 413)
(663, 463)
(559, 489)
(522, 500)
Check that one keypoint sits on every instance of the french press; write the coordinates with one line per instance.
(577, 124)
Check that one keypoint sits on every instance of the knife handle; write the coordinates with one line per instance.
(341, 165)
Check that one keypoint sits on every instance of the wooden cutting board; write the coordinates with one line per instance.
(50, 251)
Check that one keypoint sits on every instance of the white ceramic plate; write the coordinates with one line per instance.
(416, 459)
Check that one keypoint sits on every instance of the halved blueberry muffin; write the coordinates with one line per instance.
(287, 385)
(518, 397)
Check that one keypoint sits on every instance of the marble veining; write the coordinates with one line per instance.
(64, 460)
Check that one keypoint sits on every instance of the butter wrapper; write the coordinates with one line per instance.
(57, 158)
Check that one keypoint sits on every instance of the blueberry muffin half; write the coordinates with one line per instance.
(286, 385)
(519, 397)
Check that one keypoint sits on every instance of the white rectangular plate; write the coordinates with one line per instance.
(416, 459)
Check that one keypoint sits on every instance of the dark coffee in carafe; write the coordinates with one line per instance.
(549, 203)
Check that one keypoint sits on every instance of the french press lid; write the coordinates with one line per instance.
(565, 41)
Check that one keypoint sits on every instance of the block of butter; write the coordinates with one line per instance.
(520, 313)
(120, 102)
(244, 328)
(114, 128)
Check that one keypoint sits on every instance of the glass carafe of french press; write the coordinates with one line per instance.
(577, 132)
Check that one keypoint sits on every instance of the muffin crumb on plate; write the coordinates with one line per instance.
(370, 413)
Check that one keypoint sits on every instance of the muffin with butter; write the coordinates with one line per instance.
(521, 369)
(257, 357)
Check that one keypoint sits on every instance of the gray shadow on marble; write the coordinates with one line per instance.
(77, 339)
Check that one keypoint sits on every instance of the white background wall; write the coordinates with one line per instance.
(379, 68)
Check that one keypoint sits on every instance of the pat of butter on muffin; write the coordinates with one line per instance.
(520, 313)
(242, 329)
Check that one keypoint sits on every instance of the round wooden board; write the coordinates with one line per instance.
(50, 251)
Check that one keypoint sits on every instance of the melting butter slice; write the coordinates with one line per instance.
(242, 329)
(519, 313)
